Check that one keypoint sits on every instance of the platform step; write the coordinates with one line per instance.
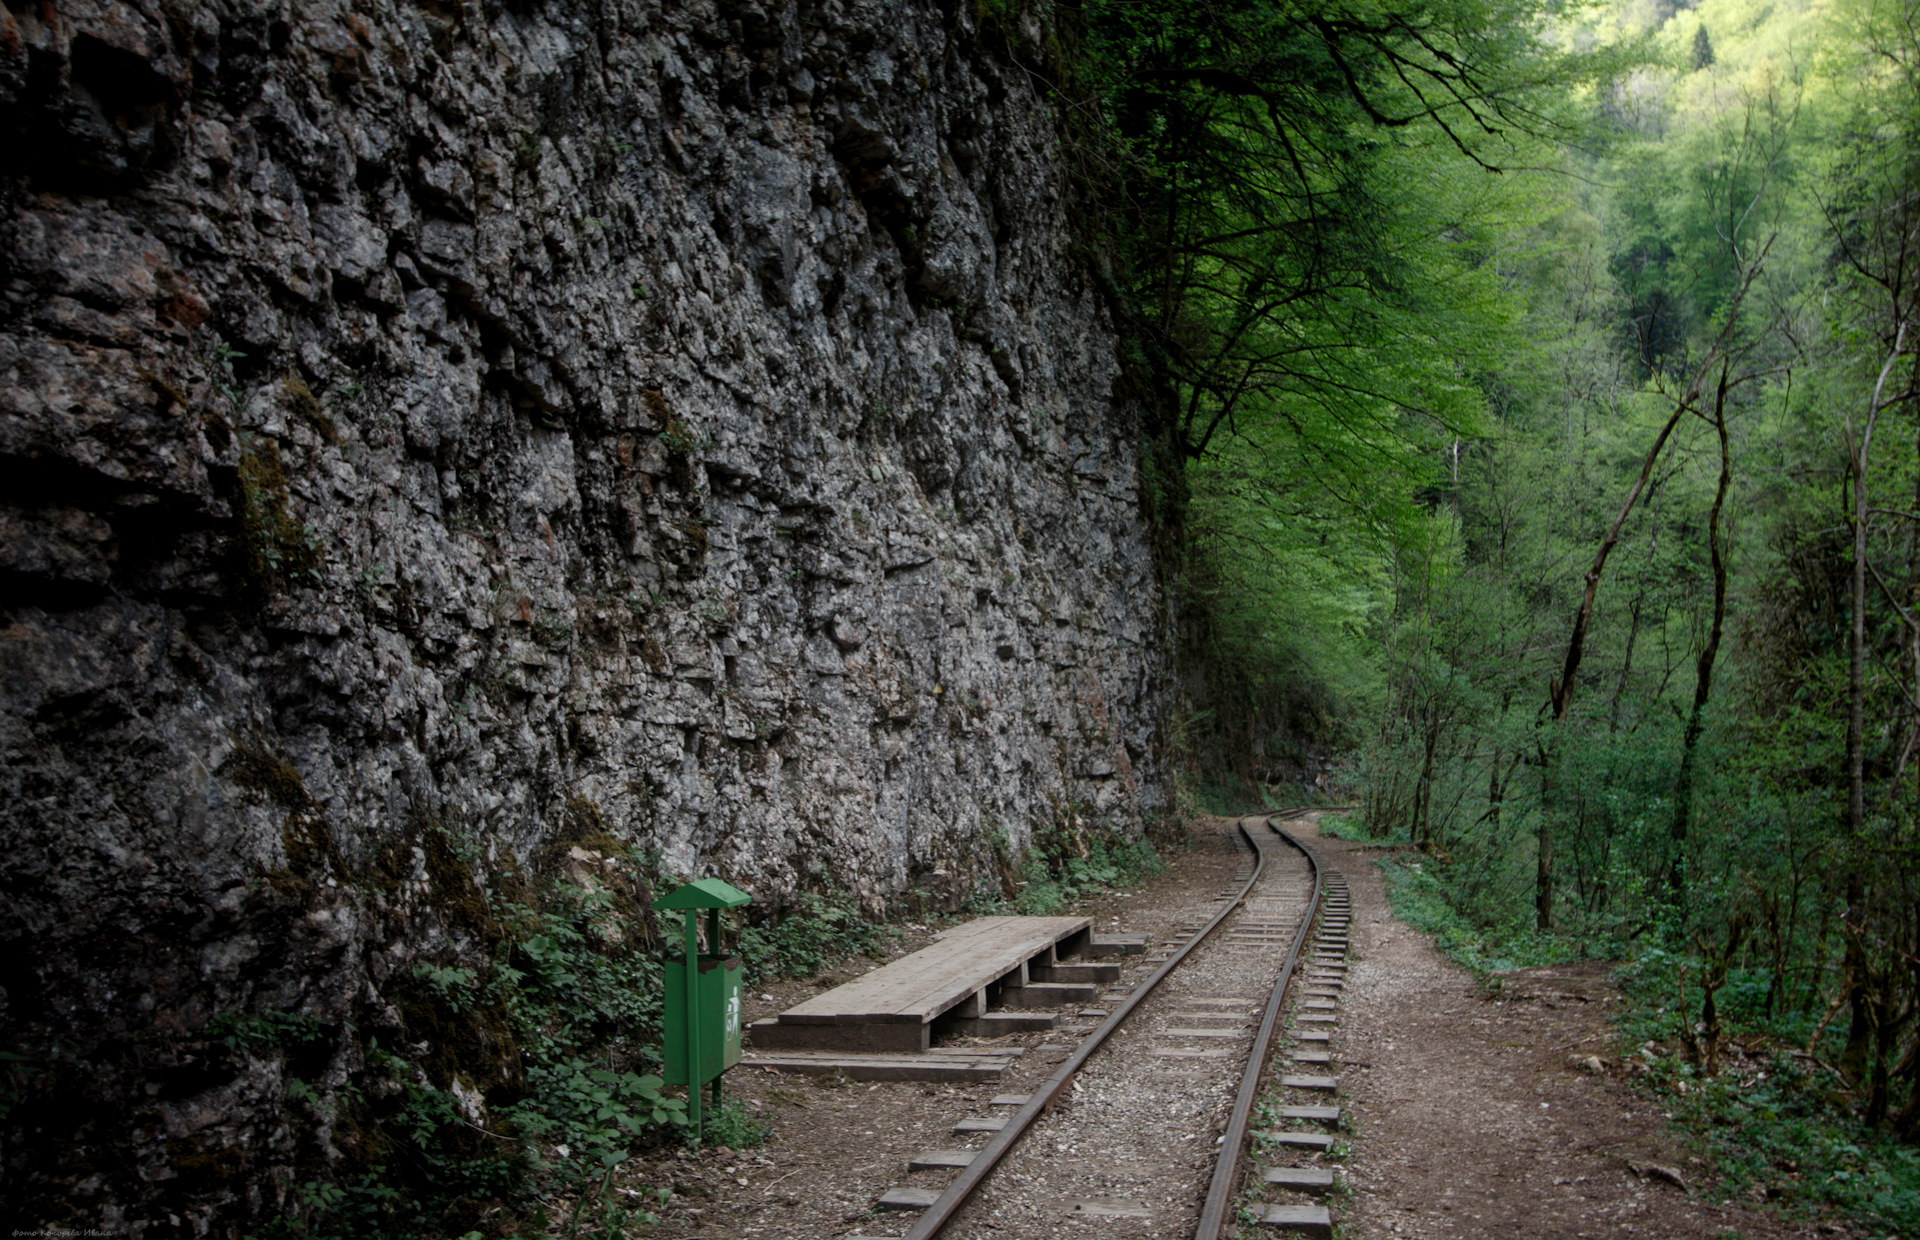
(1074, 972)
(1048, 994)
(1115, 945)
(782, 1037)
(956, 1069)
(999, 1024)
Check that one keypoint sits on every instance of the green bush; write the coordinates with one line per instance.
(822, 930)
(1344, 827)
(579, 979)
(593, 1116)
(1422, 899)
(1055, 873)
(734, 1126)
(1788, 1132)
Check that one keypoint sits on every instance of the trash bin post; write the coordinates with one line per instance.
(691, 921)
(713, 948)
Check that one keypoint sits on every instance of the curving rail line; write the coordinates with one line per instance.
(1042, 1099)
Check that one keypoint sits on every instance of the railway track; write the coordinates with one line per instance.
(1148, 1124)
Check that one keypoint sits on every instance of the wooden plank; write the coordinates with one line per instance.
(918, 987)
(884, 993)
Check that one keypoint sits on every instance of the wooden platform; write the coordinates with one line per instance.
(988, 961)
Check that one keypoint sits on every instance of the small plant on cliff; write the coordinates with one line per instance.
(580, 978)
(1066, 861)
(242, 1031)
(820, 930)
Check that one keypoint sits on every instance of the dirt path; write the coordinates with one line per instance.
(1472, 1121)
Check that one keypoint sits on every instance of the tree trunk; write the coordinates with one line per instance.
(1858, 985)
(1703, 667)
(1543, 847)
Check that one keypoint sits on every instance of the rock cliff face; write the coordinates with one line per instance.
(427, 428)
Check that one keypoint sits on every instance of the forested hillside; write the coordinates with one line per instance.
(1585, 500)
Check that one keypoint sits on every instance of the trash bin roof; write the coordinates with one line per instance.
(706, 893)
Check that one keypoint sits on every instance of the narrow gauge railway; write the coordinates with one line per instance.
(1147, 1127)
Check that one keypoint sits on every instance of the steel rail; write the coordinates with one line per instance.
(1226, 1169)
(1041, 1100)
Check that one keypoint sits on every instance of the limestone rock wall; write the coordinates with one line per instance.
(693, 418)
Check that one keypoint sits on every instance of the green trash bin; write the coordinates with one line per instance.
(717, 995)
(702, 996)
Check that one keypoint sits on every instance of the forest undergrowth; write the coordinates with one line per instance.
(1776, 1121)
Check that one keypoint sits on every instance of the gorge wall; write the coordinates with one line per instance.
(432, 430)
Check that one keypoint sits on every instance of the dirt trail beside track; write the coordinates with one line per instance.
(1472, 1118)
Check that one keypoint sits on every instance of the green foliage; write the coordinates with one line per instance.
(1783, 1132)
(242, 1031)
(321, 1210)
(1738, 253)
(276, 547)
(1421, 899)
(1305, 256)
(1040, 895)
(733, 1126)
(577, 977)
(453, 985)
(592, 1116)
(1067, 861)
(427, 1167)
(1345, 827)
(821, 930)
(1217, 795)
(1777, 1124)
(558, 1029)
(1702, 48)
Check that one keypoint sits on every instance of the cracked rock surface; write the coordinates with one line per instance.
(429, 430)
